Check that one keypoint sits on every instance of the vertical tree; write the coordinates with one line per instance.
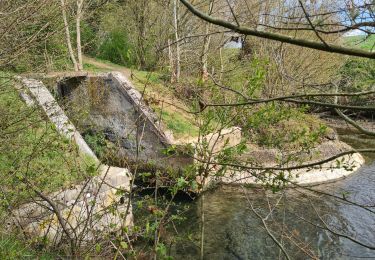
(78, 31)
(67, 35)
(206, 46)
(177, 38)
(77, 61)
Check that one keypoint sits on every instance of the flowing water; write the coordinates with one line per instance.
(232, 230)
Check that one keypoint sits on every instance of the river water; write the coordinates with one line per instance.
(298, 219)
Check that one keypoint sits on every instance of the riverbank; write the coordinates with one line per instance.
(275, 167)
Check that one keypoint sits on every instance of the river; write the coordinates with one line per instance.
(233, 230)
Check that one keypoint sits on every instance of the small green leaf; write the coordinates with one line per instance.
(124, 245)
(98, 248)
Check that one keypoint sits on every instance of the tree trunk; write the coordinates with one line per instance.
(67, 34)
(206, 47)
(221, 63)
(78, 28)
(171, 63)
(178, 55)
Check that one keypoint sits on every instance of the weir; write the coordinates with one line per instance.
(114, 107)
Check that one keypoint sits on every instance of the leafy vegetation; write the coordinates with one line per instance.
(359, 74)
(246, 75)
(286, 128)
(97, 142)
(115, 48)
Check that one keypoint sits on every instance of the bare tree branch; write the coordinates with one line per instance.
(353, 123)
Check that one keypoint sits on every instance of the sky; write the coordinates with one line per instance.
(354, 33)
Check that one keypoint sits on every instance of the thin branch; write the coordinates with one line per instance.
(191, 36)
(302, 166)
(233, 14)
(57, 212)
(292, 99)
(267, 230)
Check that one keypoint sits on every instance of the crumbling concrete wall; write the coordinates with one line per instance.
(94, 205)
(129, 119)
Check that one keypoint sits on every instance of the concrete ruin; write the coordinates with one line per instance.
(87, 209)
(94, 206)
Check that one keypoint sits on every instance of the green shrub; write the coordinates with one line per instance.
(116, 48)
(245, 75)
(274, 125)
(97, 142)
(358, 75)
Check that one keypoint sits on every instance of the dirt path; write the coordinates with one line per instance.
(102, 65)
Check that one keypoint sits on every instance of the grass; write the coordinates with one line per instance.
(178, 124)
(360, 41)
(93, 68)
(12, 248)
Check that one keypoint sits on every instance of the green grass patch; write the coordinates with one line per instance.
(93, 68)
(178, 124)
(147, 76)
(361, 41)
